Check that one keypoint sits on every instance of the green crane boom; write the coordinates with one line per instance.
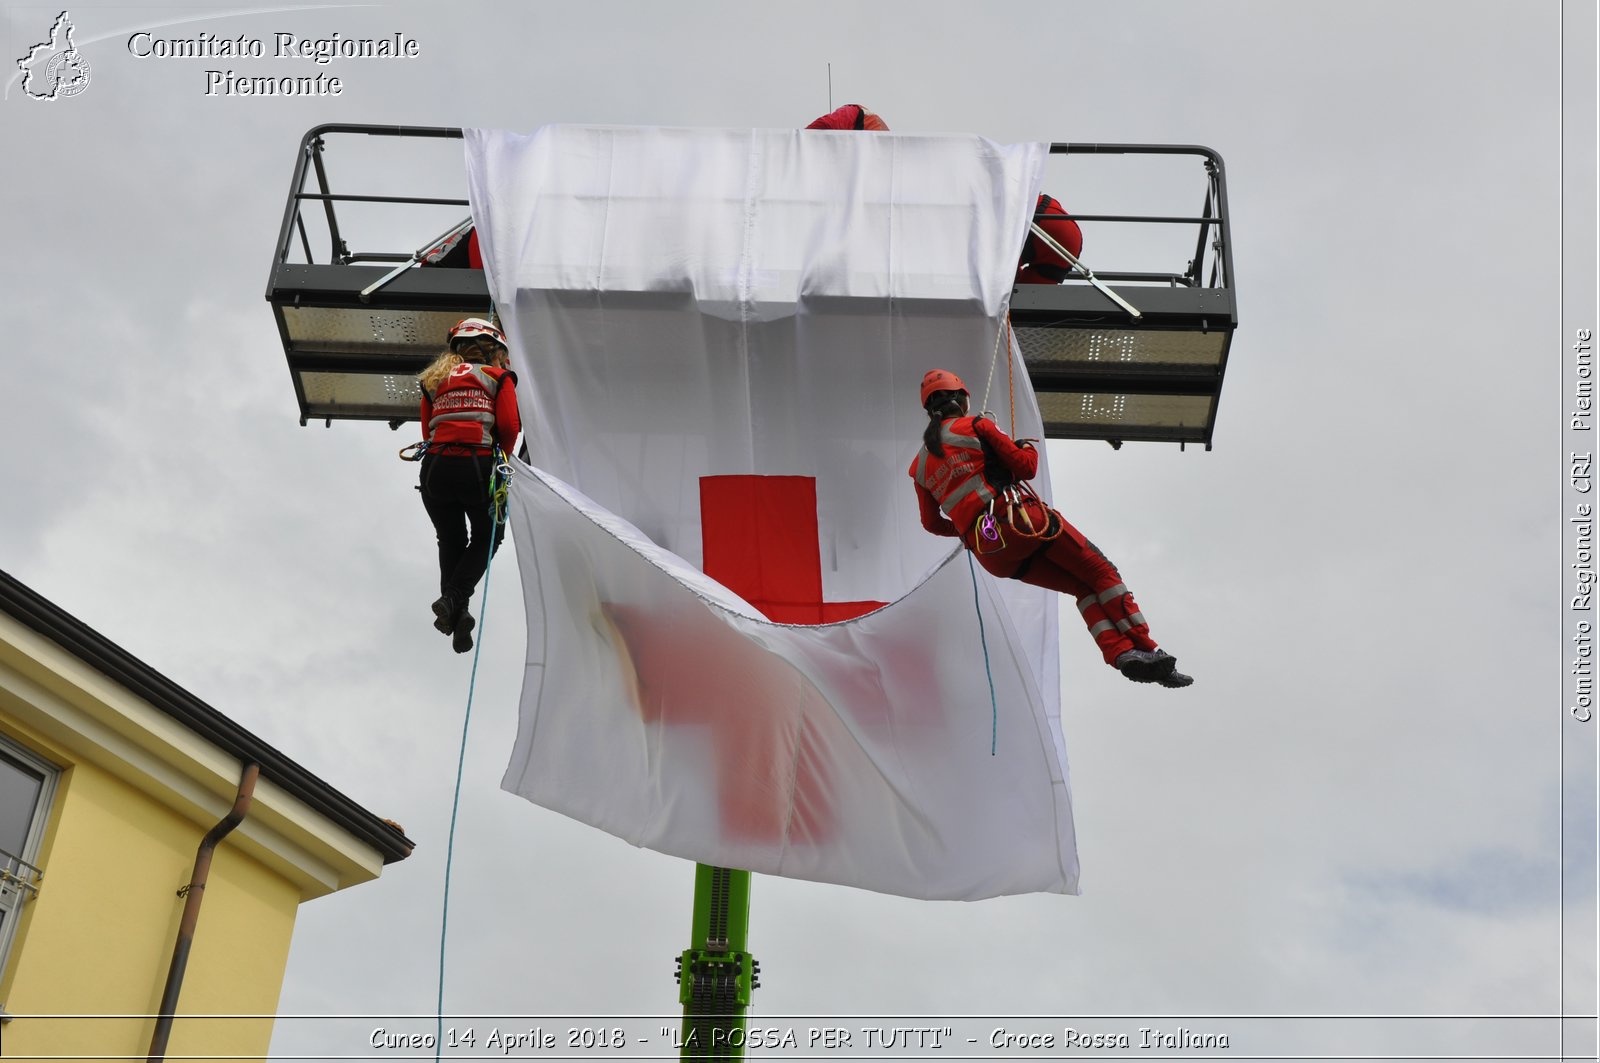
(717, 976)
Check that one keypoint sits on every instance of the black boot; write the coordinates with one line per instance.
(1166, 670)
(1141, 666)
(461, 634)
(444, 613)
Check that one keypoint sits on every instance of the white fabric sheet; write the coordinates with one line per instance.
(659, 705)
(688, 303)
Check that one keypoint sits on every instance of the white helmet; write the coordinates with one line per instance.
(469, 327)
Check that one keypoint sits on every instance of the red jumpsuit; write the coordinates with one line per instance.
(964, 494)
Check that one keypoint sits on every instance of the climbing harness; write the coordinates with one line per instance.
(989, 539)
(414, 451)
(499, 491)
(1017, 517)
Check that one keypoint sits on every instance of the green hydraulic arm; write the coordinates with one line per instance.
(716, 974)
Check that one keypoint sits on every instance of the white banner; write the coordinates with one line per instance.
(719, 335)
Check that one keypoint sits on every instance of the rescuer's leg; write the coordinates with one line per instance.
(449, 520)
(1070, 564)
(1074, 553)
(475, 502)
(1148, 663)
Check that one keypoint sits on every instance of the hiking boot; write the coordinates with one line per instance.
(461, 634)
(444, 614)
(1175, 679)
(1142, 666)
(1167, 673)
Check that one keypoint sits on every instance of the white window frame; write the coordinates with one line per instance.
(13, 899)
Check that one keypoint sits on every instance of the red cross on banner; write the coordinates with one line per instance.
(760, 540)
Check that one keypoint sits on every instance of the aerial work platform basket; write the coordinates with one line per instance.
(1115, 355)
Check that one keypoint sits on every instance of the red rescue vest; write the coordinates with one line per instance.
(463, 407)
(956, 481)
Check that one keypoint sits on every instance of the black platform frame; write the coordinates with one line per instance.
(1195, 301)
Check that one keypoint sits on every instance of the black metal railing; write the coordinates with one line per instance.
(309, 163)
(1213, 216)
(1212, 219)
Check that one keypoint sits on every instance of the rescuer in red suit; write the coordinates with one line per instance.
(469, 404)
(1040, 264)
(969, 480)
(850, 116)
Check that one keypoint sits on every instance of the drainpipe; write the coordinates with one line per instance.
(192, 895)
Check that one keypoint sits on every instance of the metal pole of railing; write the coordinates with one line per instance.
(1085, 270)
(1224, 231)
(291, 208)
(327, 204)
(1197, 269)
(416, 256)
(344, 197)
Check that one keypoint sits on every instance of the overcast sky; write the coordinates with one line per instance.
(1355, 810)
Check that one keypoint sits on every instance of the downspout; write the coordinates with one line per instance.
(192, 895)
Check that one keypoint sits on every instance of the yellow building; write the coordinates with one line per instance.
(111, 776)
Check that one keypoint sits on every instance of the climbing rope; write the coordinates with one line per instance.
(994, 356)
(988, 531)
(499, 484)
(983, 640)
(1011, 381)
(1011, 384)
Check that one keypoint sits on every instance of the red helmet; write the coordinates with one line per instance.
(470, 327)
(940, 380)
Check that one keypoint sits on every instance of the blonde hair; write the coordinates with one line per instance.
(431, 377)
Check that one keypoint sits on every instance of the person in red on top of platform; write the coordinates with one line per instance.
(469, 406)
(969, 479)
(1041, 263)
(850, 116)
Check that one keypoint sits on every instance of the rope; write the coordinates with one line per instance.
(1011, 391)
(994, 356)
(983, 640)
(499, 479)
(1011, 384)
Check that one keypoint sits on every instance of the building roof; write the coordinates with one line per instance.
(94, 649)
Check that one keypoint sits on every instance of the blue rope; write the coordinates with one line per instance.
(455, 803)
(994, 706)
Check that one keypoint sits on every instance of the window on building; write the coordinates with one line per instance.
(27, 785)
